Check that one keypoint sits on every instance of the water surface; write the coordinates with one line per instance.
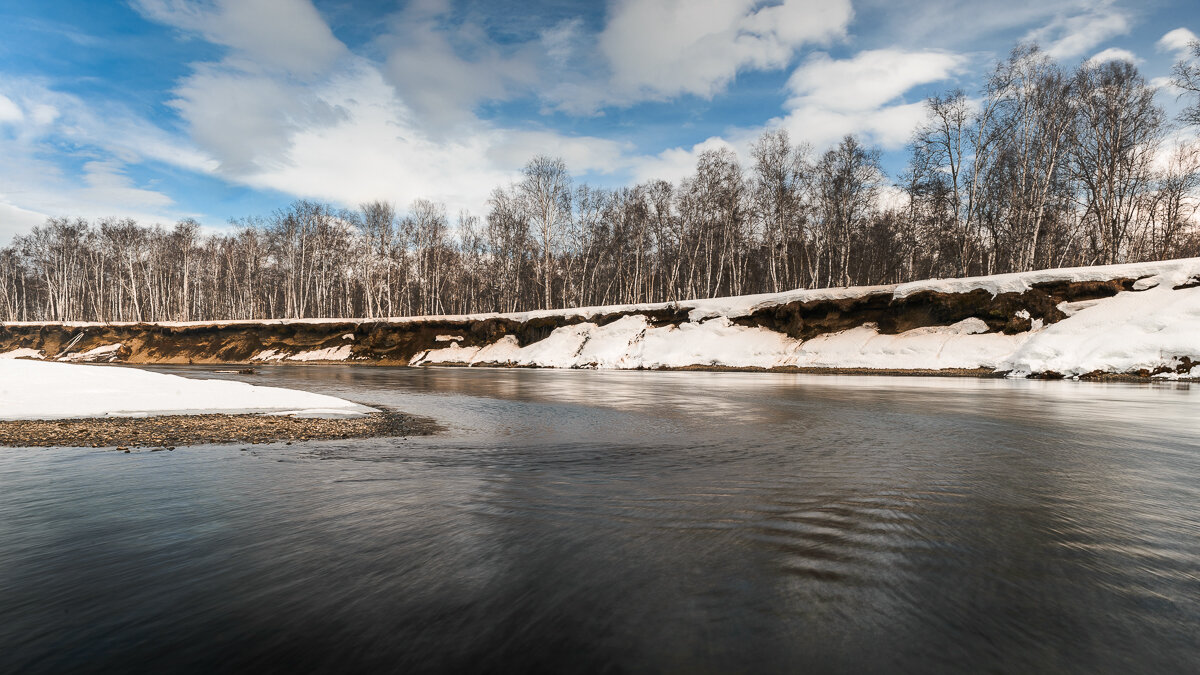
(629, 521)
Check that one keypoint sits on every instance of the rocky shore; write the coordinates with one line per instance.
(168, 432)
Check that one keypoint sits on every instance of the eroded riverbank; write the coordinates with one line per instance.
(1138, 320)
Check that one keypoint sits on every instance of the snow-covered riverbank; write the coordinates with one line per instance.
(1152, 328)
(32, 390)
(1138, 319)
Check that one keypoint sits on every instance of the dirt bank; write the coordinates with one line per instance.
(178, 430)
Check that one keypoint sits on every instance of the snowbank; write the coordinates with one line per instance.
(1152, 329)
(41, 390)
(23, 353)
(630, 343)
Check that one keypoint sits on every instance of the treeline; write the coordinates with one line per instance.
(1044, 167)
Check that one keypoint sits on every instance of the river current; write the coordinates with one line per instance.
(573, 521)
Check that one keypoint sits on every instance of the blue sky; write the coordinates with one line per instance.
(213, 109)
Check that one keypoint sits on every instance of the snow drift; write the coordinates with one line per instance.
(32, 390)
(1137, 319)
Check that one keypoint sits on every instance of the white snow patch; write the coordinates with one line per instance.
(1131, 331)
(23, 353)
(268, 355)
(95, 354)
(631, 342)
(327, 354)
(1168, 272)
(48, 390)
(715, 342)
(966, 345)
(451, 354)
(348, 336)
(448, 338)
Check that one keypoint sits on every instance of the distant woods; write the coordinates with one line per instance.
(1044, 167)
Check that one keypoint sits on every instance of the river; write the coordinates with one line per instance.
(574, 521)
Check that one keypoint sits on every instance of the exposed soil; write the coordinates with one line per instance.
(805, 320)
(168, 432)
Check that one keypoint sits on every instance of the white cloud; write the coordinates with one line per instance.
(1177, 42)
(1070, 35)
(868, 79)
(399, 130)
(673, 164)
(284, 34)
(1114, 54)
(439, 84)
(106, 138)
(889, 126)
(246, 120)
(113, 128)
(107, 183)
(658, 49)
(831, 98)
(378, 149)
(34, 189)
(10, 111)
(15, 220)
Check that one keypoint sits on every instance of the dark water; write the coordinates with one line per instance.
(613, 522)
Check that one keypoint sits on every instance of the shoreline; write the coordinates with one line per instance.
(978, 373)
(170, 431)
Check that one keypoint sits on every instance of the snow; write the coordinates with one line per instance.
(630, 343)
(268, 355)
(47, 390)
(327, 354)
(964, 345)
(23, 353)
(1131, 331)
(340, 353)
(1148, 274)
(95, 354)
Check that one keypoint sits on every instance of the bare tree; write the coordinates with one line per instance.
(1186, 76)
(1117, 135)
(546, 188)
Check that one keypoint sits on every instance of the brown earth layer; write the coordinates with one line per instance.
(167, 432)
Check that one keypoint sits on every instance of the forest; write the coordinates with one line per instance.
(1045, 166)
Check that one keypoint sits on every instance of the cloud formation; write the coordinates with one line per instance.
(863, 94)
(1113, 54)
(658, 49)
(1071, 35)
(1178, 42)
(288, 35)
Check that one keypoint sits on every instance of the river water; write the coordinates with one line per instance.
(572, 521)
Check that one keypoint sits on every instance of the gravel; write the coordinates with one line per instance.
(176, 430)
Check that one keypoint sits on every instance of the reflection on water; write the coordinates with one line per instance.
(585, 521)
